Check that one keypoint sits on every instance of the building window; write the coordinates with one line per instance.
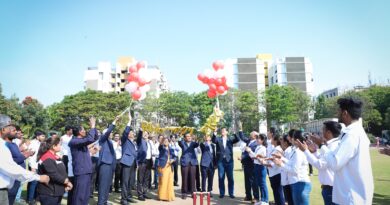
(101, 75)
(118, 75)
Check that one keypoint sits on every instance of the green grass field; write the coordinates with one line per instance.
(381, 171)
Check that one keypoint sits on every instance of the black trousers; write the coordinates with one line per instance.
(70, 193)
(128, 173)
(94, 179)
(175, 176)
(144, 177)
(207, 174)
(65, 160)
(288, 194)
(198, 178)
(117, 177)
(249, 180)
(50, 200)
(188, 176)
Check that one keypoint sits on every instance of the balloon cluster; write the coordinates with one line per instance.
(216, 79)
(139, 80)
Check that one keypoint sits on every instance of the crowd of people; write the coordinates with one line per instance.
(83, 162)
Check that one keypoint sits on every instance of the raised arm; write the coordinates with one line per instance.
(214, 138)
(242, 137)
(127, 130)
(80, 142)
(105, 135)
(139, 136)
(235, 138)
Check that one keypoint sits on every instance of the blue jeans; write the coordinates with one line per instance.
(277, 189)
(327, 195)
(225, 167)
(260, 173)
(31, 187)
(301, 193)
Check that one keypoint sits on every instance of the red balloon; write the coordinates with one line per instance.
(212, 86)
(217, 65)
(225, 87)
(223, 80)
(140, 65)
(211, 94)
(218, 81)
(206, 80)
(133, 69)
(201, 77)
(220, 89)
(211, 80)
(136, 95)
(142, 82)
(133, 77)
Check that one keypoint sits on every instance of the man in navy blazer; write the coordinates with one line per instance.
(188, 162)
(208, 163)
(106, 163)
(225, 160)
(248, 165)
(145, 164)
(81, 162)
(129, 163)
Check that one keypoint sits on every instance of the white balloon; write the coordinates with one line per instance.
(131, 87)
(145, 88)
(143, 95)
(209, 73)
(220, 73)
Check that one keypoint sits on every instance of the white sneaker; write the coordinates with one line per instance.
(258, 203)
(264, 203)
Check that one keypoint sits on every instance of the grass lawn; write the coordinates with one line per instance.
(381, 171)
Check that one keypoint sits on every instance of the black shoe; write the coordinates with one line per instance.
(232, 196)
(175, 185)
(247, 199)
(117, 191)
(141, 198)
(131, 200)
(221, 196)
(146, 197)
(184, 196)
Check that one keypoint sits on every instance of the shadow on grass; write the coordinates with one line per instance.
(380, 199)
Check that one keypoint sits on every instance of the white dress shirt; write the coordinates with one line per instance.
(297, 167)
(283, 174)
(117, 149)
(65, 149)
(32, 160)
(10, 171)
(224, 140)
(149, 150)
(175, 146)
(274, 169)
(325, 174)
(260, 150)
(270, 148)
(351, 163)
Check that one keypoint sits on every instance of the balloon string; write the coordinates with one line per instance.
(217, 102)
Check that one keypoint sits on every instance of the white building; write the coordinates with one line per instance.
(294, 71)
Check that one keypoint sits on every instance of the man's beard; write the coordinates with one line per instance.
(9, 136)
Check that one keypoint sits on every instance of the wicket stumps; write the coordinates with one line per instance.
(194, 196)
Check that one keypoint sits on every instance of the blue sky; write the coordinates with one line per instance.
(46, 45)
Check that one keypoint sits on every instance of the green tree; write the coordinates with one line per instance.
(286, 104)
(33, 116)
(77, 109)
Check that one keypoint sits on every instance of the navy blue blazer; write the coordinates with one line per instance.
(107, 152)
(245, 158)
(188, 155)
(208, 158)
(163, 155)
(225, 153)
(142, 145)
(129, 149)
(81, 160)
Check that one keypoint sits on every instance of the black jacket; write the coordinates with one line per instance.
(57, 172)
